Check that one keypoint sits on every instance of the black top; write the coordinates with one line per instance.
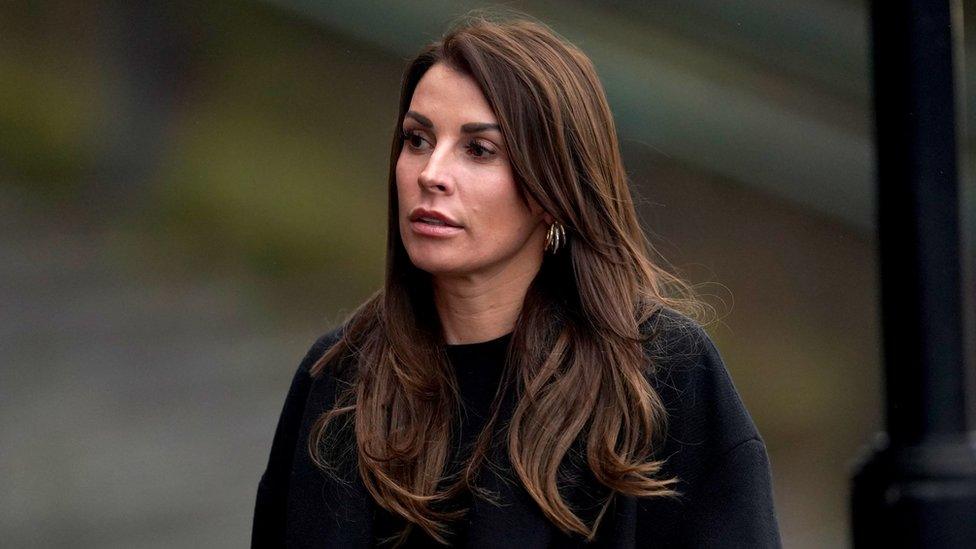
(479, 368)
(712, 446)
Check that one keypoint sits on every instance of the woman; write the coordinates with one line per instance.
(524, 377)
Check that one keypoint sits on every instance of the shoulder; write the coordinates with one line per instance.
(321, 345)
(302, 379)
(674, 336)
(687, 371)
(710, 444)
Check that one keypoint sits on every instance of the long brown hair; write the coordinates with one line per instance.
(576, 359)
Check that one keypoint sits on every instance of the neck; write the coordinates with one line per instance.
(476, 308)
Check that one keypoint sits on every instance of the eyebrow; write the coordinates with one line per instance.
(470, 127)
(475, 127)
(423, 120)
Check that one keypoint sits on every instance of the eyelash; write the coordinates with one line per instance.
(471, 146)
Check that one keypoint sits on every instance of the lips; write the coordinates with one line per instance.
(433, 217)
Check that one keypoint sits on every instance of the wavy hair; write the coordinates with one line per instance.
(576, 361)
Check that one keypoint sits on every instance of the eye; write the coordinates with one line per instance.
(413, 139)
(478, 150)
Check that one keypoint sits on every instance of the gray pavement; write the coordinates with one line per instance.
(135, 410)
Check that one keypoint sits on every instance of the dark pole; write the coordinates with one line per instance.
(917, 486)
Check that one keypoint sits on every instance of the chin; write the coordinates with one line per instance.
(437, 266)
(437, 262)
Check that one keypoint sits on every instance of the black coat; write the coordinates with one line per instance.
(712, 446)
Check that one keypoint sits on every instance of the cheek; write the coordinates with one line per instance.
(502, 207)
(509, 198)
(404, 176)
(400, 170)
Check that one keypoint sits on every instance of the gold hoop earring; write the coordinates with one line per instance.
(555, 237)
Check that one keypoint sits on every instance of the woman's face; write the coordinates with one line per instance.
(460, 212)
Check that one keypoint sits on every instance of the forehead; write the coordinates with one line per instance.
(450, 95)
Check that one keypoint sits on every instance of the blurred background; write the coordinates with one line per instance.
(192, 192)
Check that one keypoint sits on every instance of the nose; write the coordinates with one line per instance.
(436, 175)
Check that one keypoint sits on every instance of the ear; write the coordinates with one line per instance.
(537, 210)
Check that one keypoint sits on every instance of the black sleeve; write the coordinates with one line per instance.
(736, 507)
(712, 446)
(268, 528)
